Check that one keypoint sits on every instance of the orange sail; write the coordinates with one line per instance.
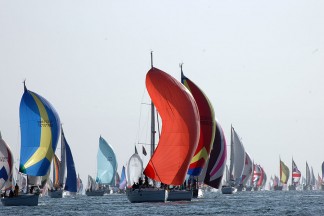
(180, 128)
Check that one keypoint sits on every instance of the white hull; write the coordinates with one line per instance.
(179, 195)
(227, 190)
(21, 200)
(55, 193)
(95, 193)
(146, 195)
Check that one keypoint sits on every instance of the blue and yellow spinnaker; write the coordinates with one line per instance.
(40, 127)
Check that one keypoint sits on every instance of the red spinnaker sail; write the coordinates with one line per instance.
(180, 128)
(207, 127)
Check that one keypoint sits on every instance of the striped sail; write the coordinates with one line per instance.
(106, 163)
(256, 174)
(247, 170)
(296, 174)
(40, 126)
(207, 127)
(284, 173)
(217, 160)
(261, 179)
(71, 177)
(6, 163)
(56, 172)
(134, 169)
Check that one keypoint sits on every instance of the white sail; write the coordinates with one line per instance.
(134, 169)
(237, 157)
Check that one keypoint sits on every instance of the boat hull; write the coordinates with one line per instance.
(248, 188)
(195, 193)
(21, 200)
(227, 190)
(277, 188)
(239, 188)
(55, 194)
(180, 195)
(146, 195)
(292, 187)
(95, 193)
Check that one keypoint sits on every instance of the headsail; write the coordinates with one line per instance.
(122, 184)
(71, 178)
(40, 127)
(217, 160)
(284, 173)
(296, 174)
(308, 175)
(207, 127)
(247, 170)
(6, 163)
(56, 172)
(180, 132)
(106, 163)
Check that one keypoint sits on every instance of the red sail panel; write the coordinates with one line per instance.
(180, 128)
(207, 127)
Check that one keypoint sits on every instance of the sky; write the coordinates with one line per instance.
(259, 62)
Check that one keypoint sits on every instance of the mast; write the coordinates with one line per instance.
(152, 118)
(292, 171)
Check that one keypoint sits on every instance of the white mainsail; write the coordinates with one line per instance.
(237, 157)
(134, 169)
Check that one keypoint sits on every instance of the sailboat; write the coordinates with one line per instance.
(93, 189)
(322, 185)
(283, 177)
(58, 172)
(59, 167)
(40, 126)
(307, 185)
(79, 185)
(106, 166)
(295, 176)
(179, 138)
(123, 181)
(6, 165)
(247, 172)
(106, 170)
(207, 132)
(71, 178)
(217, 160)
(237, 159)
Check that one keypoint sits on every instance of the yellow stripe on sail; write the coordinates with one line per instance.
(201, 154)
(45, 149)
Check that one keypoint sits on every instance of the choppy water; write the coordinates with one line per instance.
(243, 203)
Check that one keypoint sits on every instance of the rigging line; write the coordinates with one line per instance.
(158, 123)
(139, 119)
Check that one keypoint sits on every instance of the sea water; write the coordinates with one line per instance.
(213, 203)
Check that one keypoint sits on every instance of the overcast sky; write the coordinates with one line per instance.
(259, 62)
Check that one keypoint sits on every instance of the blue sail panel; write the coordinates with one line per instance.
(106, 163)
(40, 126)
(71, 177)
